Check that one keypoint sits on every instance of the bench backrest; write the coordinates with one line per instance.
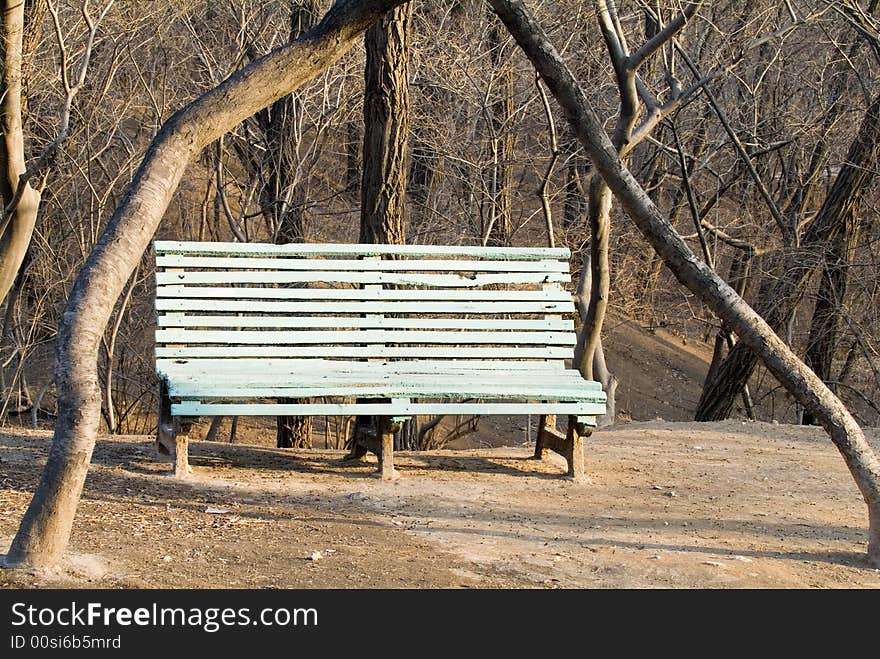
(325, 301)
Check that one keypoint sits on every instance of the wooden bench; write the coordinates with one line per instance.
(387, 331)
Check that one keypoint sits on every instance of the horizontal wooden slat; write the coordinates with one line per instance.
(204, 391)
(177, 320)
(313, 249)
(367, 351)
(364, 307)
(257, 337)
(225, 378)
(389, 295)
(199, 389)
(357, 265)
(192, 408)
(226, 367)
(188, 278)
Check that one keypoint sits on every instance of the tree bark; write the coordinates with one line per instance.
(45, 529)
(598, 368)
(753, 331)
(386, 123)
(779, 300)
(19, 218)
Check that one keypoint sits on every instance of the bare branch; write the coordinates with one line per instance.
(70, 93)
(664, 35)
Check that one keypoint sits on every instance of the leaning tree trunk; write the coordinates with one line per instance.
(386, 122)
(285, 197)
(17, 216)
(840, 208)
(753, 331)
(45, 529)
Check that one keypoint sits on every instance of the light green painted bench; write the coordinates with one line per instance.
(390, 331)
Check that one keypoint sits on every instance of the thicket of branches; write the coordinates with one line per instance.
(748, 163)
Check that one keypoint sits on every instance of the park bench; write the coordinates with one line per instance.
(385, 332)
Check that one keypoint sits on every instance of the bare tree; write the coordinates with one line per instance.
(753, 331)
(45, 529)
(21, 200)
(629, 131)
(777, 305)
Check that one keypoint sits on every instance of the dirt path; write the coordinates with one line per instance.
(668, 505)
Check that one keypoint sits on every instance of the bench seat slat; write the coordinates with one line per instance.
(241, 293)
(188, 382)
(340, 322)
(279, 337)
(447, 380)
(187, 278)
(339, 308)
(331, 249)
(278, 365)
(194, 408)
(511, 391)
(357, 265)
(509, 352)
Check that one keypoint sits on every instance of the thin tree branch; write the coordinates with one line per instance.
(656, 42)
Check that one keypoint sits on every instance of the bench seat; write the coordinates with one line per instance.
(228, 387)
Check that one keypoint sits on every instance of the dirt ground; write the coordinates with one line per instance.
(670, 505)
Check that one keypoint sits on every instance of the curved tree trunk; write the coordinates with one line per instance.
(598, 368)
(753, 331)
(18, 218)
(599, 211)
(45, 529)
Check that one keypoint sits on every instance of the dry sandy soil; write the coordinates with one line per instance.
(726, 505)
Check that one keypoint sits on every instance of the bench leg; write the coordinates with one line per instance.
(172, 435)
(364, 440)
(181, 452)
(386, 455)
(173, 441)
(387, 428)
(546, 422)
(574, 445)
(376, 435)
(172, 438)
(570, 445)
